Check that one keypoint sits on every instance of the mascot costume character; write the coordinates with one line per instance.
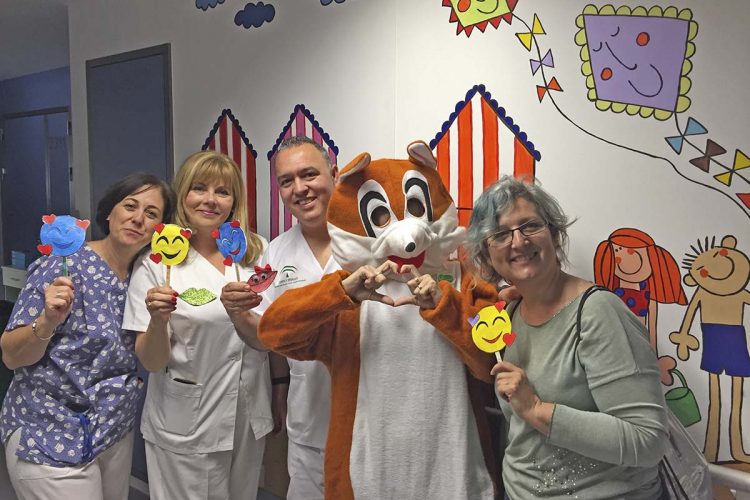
(408, 384)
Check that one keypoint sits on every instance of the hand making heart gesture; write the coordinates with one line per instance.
(363, 284)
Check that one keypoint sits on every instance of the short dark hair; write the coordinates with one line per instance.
(300, 140)
(129, 185)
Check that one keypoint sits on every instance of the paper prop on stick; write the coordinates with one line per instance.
(232, 243)
(197, 297)
(170, 245)
(491, 329)
(262, 278)
(62, 235)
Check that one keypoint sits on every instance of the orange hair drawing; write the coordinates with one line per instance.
(664, 282)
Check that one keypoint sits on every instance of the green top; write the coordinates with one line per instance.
(609, 425)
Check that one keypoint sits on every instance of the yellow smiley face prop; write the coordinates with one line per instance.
(491, 328)
(170, 244)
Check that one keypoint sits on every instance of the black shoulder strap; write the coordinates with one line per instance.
(515, 306)
(586, 295)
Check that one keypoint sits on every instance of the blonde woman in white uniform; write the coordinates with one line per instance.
(208, 407)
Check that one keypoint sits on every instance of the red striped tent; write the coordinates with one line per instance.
(228, 137)
(477, 145)
(301, 123)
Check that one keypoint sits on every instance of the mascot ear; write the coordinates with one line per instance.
(421, 154)
(355, 165)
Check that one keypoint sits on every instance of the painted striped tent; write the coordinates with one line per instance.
(477, 145)
(228, 137)
(301, 123)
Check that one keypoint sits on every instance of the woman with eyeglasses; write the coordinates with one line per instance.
(584, 404)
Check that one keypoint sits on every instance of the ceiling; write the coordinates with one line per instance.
(33, 36)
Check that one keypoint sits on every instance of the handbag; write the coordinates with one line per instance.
(684, 469)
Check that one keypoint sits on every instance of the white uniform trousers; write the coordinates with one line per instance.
(104, 478)
(305, 465)
(222, 475)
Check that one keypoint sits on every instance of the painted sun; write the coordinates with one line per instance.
(469, 14)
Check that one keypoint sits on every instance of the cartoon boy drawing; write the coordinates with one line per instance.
(721, 274)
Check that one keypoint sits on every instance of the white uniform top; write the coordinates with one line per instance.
(309, 397)
(197, 414)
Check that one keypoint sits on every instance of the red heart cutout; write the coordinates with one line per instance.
(49, 219)
(228, 261)
(509, 338)
(159, 227)
(44, 249)
(82, 223)
(187, 233)
(156, 257)
(235, 223)
(215, 234)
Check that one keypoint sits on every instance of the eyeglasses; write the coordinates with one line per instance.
(503, 238)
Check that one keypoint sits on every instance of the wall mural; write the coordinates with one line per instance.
(301, 123)
(465, 167)
(644, 275)
(254, 15)
(207, 4)
(720, 275)
(470, 14)
(637, 62)
(227, 137)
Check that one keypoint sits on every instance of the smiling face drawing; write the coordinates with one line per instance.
(61, 235)
(470, 13)
(721, 270)
(170, 244)
(636, 59)
(491, 328)
(232, 242)
(631, 264)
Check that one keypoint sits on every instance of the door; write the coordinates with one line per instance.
(35, 176)
(129, 117)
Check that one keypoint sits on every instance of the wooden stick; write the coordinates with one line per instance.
(237, 268)
(498, 356)
(65, 266)
(169, 268)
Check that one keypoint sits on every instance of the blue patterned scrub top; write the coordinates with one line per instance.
(82, 396)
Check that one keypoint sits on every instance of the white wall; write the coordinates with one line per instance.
(379, 74)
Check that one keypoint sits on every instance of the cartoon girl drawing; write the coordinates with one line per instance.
(641, 273)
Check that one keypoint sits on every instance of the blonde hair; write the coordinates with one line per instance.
(213, 165)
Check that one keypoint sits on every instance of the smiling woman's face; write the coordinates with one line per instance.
(132, 220)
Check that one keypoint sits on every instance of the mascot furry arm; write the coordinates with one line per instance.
(405, 382)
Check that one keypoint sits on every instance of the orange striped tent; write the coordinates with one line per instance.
(477, 145)
(228, 137)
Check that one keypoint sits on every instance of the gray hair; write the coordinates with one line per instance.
(299, 140)
(498, 198)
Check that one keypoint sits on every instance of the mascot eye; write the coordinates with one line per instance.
(415, 207)
(255, 279)
(380, 216)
